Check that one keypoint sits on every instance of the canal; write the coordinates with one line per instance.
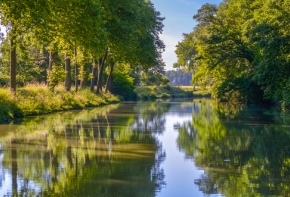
(167, 148)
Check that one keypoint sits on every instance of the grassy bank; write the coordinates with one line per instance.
(150, 92)
(197, 91)
(37, 99)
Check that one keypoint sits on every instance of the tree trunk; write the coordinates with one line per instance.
(12, 66)
(83, 83)
(76, 70)
(52, 59)
(108, 84)
(84, 79)
(67, 73)
(193, 83)
(93, 79)
(100, 72)
(100, 76)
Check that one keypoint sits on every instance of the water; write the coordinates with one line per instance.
(144, 149)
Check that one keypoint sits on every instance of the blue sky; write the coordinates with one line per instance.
(178, 20)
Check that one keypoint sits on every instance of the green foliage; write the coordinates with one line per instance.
(55, 76)
(132, 152)
(153, 78)
(31, 64)
(123, 85)
(164, 95)
(232, 155)
(202, 93)
(143, 92)
(148, 92)
(240, 55)
(151, 92)
(166, 86)
(240, 89)
(8, 106)
(128, 31)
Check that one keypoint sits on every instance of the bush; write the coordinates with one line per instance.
(143, 92)
(55, 76)
(166, 86)
(7, 105)
(123, 85)
(152, 95)
(164, 95)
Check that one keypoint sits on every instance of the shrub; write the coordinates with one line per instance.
(142, 92)
(123, 85)
(164, 95)
(167, 86)
(152, 95)
(55, 76)
(7, 105)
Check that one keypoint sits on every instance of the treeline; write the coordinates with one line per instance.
(179, 77)
(79, 42)
(241, 48)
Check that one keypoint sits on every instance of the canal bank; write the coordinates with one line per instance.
(36, 100)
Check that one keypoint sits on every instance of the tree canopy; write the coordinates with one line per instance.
(94, 33)
(241, 49)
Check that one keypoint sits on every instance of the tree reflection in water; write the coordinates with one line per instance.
(244, 151)
(100, 152)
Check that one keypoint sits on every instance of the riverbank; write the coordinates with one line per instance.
(37, 99)
(151, 92)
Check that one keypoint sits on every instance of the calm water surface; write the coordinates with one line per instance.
(147, 149)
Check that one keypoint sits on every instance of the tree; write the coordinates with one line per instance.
(18, 18)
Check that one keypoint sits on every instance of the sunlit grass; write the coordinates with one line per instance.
(166, 91)
(36, 99)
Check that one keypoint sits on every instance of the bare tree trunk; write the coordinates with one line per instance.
(76, 70)
(93, 79)
(68, 73)
(100, 72)
(109, 79)
(12, 66)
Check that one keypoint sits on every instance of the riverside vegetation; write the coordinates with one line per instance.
(38, 99)
(167, 91)
(96, 47)
(240, 48)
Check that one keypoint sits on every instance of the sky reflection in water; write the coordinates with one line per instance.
(148, 149)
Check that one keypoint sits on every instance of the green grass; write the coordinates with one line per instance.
(151, 92)
(202, 93)
(37, 99)
(198, 91)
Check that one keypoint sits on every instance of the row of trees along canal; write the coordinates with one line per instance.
(91, 33)
(241, 48)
